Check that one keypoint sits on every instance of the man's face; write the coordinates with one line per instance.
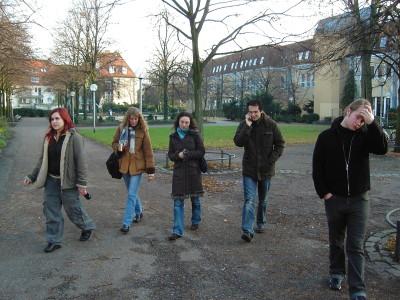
(354, 120)
(254, 112)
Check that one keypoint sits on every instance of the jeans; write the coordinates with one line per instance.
(54, 199)
(133, 205)
(179, 209)
(250, 187)
(348, 216)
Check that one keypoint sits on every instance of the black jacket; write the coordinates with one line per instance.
(186, 179)
(263, 145)
(329, 161)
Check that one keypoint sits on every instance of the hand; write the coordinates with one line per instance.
(327, 196)
(27, 181)
(151, 177)
(367, 114)
(248, 119)
(181, 155)
(82, 191)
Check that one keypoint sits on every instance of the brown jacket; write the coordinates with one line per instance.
(142, 160)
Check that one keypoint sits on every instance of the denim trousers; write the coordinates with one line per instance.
(251, 188)
(54, 199)
(347, 217)
(179, 214)
(133, 205)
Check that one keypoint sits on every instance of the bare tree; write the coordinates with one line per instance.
(198, 14)
(167, 62)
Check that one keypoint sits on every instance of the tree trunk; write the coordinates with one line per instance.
(165, 98)
(397, 141)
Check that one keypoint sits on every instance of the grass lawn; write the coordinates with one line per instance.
(215, 136)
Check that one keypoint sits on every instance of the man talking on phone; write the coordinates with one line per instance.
(263, 145)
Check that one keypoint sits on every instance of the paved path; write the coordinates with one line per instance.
(289, 261)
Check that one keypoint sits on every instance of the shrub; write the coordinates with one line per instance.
(309, 118)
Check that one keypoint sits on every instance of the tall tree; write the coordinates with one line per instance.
(197, 14)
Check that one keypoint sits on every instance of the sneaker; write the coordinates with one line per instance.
(138, 218)
(51, 247)
(85, 235)
(124, 229)
(247, 237)
(194, 227)
(335, 283)
(174, 237)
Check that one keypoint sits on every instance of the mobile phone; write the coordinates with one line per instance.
(88, 196)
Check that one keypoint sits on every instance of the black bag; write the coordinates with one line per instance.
(203, 165)
(113, 166)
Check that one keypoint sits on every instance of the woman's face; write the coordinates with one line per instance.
(184, 122)
(133, 120)
(57, 123)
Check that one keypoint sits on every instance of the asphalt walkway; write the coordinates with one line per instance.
(289, 261)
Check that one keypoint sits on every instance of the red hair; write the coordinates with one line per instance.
(67, 122)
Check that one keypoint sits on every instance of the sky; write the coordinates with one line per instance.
(132, 32)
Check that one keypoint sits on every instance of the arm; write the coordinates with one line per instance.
(173, 154)
(242, 135)
(279, 144)
(80, 161)
(376, 139)
(33, 176)
(318, 169)
(115, 140)
(148, 154)
(198, 152)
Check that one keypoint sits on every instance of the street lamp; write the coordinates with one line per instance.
(382, 106)
(72, 94)
(93, 88)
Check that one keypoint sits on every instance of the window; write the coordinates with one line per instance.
(300, 55)
(241, 64)
(283, 82)
(250, 62)
(39, 91)
(302, 80)
(307, 54)
(383, 42)
(261, 60)
(118, 95)
(124, 70)
(245, 63)
(35, 79)
(108, 84)
(111, 69)
(225, 67)
(255, 62)
(232, 66)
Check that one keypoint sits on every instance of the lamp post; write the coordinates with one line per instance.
(72, 94)
(93, 88)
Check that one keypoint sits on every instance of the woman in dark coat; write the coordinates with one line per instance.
(185, 150)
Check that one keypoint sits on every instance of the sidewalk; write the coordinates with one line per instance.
(289, 261)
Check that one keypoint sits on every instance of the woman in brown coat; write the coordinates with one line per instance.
(132, 141)
(185, 150)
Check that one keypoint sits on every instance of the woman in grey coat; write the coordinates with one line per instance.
(62, 171)
(185, 150)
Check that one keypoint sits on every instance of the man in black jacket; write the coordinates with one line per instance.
(263, 145)
(342, 179)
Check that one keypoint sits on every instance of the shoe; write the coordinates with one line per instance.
(259, 229)
(124, 229)
(85, 235)
(247, 237)
(174, 237)
(138, 218)
(335, 283)
(194, 227)
(359, 297)
(51, 247)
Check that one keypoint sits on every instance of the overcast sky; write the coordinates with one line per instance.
(132, 31)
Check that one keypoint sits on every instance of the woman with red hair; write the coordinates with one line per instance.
(62, 171)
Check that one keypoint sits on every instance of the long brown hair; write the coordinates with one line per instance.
(135, 112)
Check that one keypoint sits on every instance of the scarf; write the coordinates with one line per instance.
(182, 132)
(127, 137)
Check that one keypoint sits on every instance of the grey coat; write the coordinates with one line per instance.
(73, 166)
(186, 179)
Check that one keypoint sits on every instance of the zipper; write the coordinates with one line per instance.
(347, 162)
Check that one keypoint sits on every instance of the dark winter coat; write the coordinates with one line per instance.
(329, 160)
(263, 145)
(186, 179)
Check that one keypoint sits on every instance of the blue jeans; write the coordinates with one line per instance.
(250, 186)
(133, 204)
(179, 214)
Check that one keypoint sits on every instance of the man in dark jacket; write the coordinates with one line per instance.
(263, 145)
(341, 177)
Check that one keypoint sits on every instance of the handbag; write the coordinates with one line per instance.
(112, 165)
(203, 165)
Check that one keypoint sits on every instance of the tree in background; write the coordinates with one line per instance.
(349, 90)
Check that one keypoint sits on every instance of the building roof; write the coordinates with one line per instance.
(113, 65)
